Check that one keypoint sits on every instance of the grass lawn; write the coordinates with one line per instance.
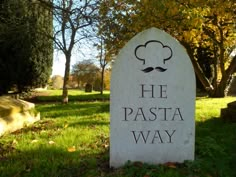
(73, 141)
(74, 95)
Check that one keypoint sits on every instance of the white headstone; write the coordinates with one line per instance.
(152, 101)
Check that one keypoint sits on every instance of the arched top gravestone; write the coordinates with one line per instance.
(152, 101)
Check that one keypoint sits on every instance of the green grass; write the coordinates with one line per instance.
(73, 92)
(73, 141)
(43, 149)
(74, 95)
(210, 107)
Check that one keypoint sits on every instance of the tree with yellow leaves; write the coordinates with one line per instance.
(195, 23)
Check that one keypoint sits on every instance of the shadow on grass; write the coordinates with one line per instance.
(215, 147)
(215, 150)
(89, 123)
(73, 109)
(89, 114)
(55, 162)
(43, 159)
(58, 99)
(215, 156)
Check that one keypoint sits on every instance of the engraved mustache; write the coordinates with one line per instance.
(158, 68)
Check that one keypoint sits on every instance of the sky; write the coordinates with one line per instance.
(85, 53)
(58, 64)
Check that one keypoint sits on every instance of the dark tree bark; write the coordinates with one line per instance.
(215, 90)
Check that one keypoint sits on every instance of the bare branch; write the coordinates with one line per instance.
(72, 18)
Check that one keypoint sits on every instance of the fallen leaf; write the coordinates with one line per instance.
(34, 141)
(28, 170)
(14, 142)
(71, 149)
(139, 164)
(105, 145)
(170, 164)
(51, 142)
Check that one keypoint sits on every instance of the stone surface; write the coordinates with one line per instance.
(88, 88)
(152, 101)
(232, 105)
(232, 88)
(15, 114)
(228, 114)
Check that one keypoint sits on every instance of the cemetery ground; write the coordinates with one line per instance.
(72, 140)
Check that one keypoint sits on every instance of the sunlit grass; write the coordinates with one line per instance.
(206, 108)
(74, 95)
(73, 92)
(78, 130)
(72, 140)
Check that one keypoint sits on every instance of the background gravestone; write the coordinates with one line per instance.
(232, 88)
(152, 101)
(228, 114)
(88, 88)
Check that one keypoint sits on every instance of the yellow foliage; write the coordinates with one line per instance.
(71, 149)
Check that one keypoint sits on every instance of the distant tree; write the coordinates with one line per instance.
(104, 58)
(107, 79)
(72, 21)
(72, 82)
(57, 82)
(86, 72)
(25, 54)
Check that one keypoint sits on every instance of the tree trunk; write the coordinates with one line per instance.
(198, 71)
(102, 80)
(221, 89)
(220, 92)
(65, 98)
